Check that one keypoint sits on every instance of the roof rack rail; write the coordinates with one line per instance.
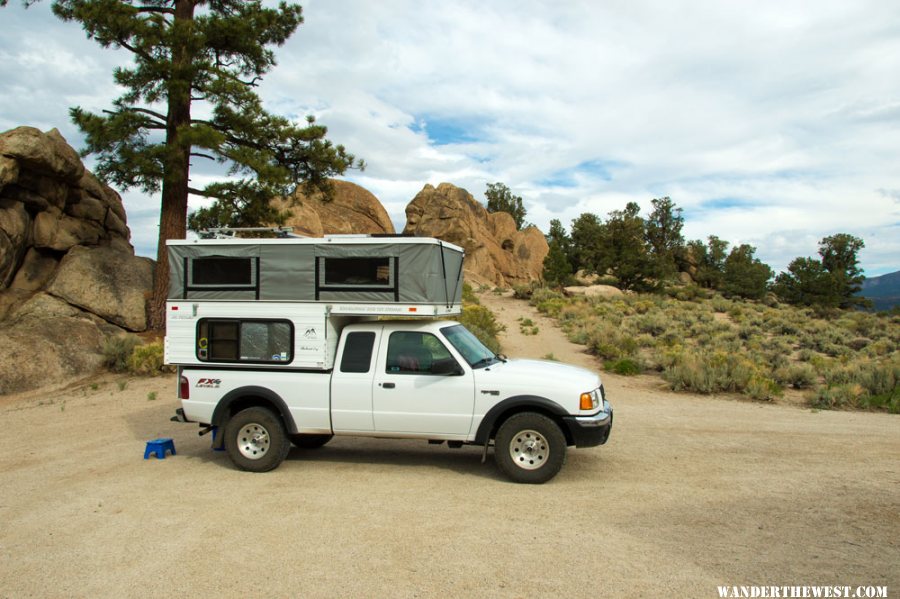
(231, 232)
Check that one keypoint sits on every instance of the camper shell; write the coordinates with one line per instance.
(282, 302)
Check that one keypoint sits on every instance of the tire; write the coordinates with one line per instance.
(529, 448)
(255, 440)
(309, 441)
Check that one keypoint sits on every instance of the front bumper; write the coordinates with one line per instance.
(590, 431)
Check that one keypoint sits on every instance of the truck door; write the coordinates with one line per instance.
(351, 381)
(420, 387)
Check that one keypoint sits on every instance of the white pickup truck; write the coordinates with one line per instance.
(279, 341)
(430, 380)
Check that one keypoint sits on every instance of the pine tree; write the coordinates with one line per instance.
(839, 257)
(586, 239)
(624, 251)
(709, 260)
(558, 235)
(663, 230)
(185, 52)
(744, 275)
(557, 270)
(831, 282)
(807, 283)
(501, 199)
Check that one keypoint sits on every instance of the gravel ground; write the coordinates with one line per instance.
(690, 493)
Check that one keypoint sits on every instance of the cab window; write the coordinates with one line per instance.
(412, 352)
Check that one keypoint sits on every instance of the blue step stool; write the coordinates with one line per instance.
(159, 447)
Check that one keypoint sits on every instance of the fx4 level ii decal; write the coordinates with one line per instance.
(209, 383)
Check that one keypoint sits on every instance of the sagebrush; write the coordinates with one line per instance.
(842, 359)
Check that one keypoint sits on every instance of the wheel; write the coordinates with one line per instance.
(255, 440)
(309, 441)
(529, 448)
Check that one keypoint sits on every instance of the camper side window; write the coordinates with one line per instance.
(357, 272)
(221, 271)
(261, 341)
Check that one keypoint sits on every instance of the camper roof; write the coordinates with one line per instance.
(339, 268)
(346, 239)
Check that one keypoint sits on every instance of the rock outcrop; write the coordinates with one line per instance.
(606, 291)
(352, 209)
(69, 278)
(496, 253)
(107, 283)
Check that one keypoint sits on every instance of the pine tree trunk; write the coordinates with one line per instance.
(173, 211)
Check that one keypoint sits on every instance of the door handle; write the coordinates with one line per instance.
(388, 385)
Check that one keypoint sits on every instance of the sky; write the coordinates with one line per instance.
(773, 123)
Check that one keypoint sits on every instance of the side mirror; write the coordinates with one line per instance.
(447, 367)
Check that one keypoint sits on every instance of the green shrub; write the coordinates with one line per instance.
(687, 293)
(147, 360)
(805, 355)
(798, 376)
(858, 343)
(652, 324)
(882, 347)
(720, 304)
(763, 388)
(468, 295)
(624, 366)
(607, 351)
(117, 351)
(838, 396)
(709, 372)
(548, 302)
(483, 324)
(525, 291)
(885, 401)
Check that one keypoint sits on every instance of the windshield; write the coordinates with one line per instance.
(467, 344)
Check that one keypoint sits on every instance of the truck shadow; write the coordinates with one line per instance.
(152, 421)
(404, 453)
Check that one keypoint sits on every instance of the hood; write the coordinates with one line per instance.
(553, 380)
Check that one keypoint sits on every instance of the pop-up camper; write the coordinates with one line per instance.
(232, 300)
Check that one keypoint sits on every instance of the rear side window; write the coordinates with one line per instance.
(358, 352)
(232, 340)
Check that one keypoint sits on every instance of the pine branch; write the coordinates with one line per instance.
(201, 155)
(147, 111)
(155, 9)
(200, 192)
(135, 50)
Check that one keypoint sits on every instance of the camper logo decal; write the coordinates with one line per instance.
(209, 383)
(310, 334)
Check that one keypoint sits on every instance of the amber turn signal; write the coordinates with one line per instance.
(587, 402)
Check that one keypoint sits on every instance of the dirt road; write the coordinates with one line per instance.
(690, 493)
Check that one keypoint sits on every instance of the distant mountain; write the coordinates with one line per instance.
(884, 291)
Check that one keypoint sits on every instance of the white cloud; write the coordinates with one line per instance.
(789, 109)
